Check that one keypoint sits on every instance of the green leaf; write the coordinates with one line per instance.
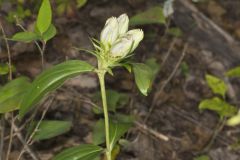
(116, 128)
(155, 67)
(203, 157)
(4, 68)
(235, 120)
(115, 99)
(44, 18)
(48, 129)
(50, 80)
(12, 93)
(218, 105)
(175, 31)
(81, 3)
(235, 72)
(99, 132)
(217, 85)
(25, 37)
(143, 77)
(82, 152)
(184, 68)
(50, 33)
(151, 16)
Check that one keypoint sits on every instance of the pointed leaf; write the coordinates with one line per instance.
(50, 80)
(235, 72)
(44, 18)
(154, 65)
(217, 85)
(48, 129)
(82, 152)
(143, 77)
(50, 33)
(25, 37)
(81, 3)
(152, 15)
(233, 121)
(12, 93)
(218, 105)
(116, 130)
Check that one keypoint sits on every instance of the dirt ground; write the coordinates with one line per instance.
(170, 109)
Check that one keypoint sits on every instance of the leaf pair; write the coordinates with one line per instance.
(218, 105)
(116, 130)
(12, 93)
(44, 29)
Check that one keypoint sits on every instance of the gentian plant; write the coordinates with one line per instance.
(114, 49)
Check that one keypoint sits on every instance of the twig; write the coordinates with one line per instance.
(30, 139)
(10, 78)
(41, 49)
(10, 137)
(155, 98)
(21, 139)
(156, 134)
(8, 52)
(169, 51)
(2, 128)
(218, 129)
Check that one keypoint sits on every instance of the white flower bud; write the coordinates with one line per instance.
(123, 22)
(122, 47)
(137, 36)
(109, 33)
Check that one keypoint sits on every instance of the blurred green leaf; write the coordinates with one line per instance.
(50, 80)
(154, 65)
(151, 16)
(44, 18)
(219, 106)
(235, 120)
(25, 37)
(217, 85)
(50, 33)
(99, 132)
(117, 130)
(82, 152)
(175, 31)
(203, 157)
(234, 72)
(143, 77)
(184, 68)
(81, 3)
(115, 99)
(4, 68)
(12, 93)
(48, 129)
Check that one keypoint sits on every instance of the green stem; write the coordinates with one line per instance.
(101, 76)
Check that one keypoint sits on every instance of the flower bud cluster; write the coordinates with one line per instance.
(118, 42)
